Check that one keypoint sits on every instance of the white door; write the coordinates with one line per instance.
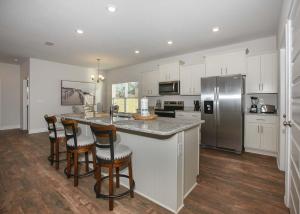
(253, 74)
(292, 123)
(235, 63)
(269, 73)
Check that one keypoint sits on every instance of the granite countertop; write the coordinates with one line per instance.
(160, 126)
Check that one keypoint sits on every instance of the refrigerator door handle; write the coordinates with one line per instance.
(218, 105)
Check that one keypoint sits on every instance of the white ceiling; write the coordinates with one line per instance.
(145, 25)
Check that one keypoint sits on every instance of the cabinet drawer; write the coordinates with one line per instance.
(261, 119)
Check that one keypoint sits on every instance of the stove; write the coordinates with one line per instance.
(169, 108)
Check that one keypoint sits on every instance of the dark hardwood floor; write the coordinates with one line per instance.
(228, 183)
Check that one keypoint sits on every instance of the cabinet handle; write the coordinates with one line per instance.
(259, 86)
(221, 71)
(262, 86)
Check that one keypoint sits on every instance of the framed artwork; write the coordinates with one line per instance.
(77, 93)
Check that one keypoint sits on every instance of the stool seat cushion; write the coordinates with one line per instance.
(59, 134)
(120, 150)
(81, 141)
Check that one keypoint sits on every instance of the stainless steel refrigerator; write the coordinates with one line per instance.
(222, 108)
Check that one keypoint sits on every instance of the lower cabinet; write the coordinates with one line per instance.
(261, 134)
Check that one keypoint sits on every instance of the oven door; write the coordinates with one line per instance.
(169, 88)
(162, 113)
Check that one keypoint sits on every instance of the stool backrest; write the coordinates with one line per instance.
(51, 120)
(104, 137)
(71, 129)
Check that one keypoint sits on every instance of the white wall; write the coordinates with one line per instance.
(45, 88)
(9, 96)
(134, 73)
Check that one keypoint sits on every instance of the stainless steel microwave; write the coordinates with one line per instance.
(169, 88)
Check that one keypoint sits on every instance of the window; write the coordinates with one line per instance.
(125, 95)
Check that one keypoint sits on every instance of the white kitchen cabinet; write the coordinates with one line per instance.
(261, 134)
(262, 74)
(188, 114)
(150, 83)
(190, 79)
(226, 64)
(169, 72)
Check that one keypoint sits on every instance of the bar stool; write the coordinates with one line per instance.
(76, 146)
(56, 137)
(112, 156)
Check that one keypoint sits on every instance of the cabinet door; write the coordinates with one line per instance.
(268, 137)
(163, 75)
(253, 75)
(235, 63)
(252, 136)
(214, 66)
(185, 80)
(153, 83)
(269, 73)
(197, 73)
(169, 72)
(145, 82)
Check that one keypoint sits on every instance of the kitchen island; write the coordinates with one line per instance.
(165, 155)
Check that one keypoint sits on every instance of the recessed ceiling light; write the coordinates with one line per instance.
(111, 8)
(79, 31)
(136, 51)
(49, 43)
(215, 29)
(170, 42)
(16, 60)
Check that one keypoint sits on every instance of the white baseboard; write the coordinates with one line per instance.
(190, 190)
(9, 127)
(33, 131)
(261, 152)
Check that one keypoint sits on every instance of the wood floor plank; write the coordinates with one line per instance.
(228, 183)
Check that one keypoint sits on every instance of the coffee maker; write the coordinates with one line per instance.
(196, 105)
(253, 108)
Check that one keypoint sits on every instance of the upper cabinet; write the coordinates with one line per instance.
(262, 74)
(150, 83)
(226, 64)
(169, 72)
(190, 79)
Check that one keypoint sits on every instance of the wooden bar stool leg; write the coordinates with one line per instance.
(111, 187)
(68, 164)
(75, 168)
(130, 178)
(86, 161)
(51, 153)
(117, 177)
(56, 154)
(94, 162)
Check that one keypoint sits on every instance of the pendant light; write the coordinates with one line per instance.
(100, 77)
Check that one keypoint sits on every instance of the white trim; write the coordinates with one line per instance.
(33, 131)
(261, 152)
(9, 127)
(190, 190)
